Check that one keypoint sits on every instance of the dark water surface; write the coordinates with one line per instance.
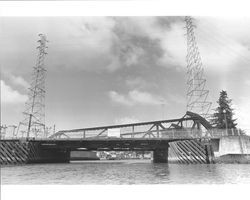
(125, 172)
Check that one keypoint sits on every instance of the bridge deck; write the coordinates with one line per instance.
(112, 144)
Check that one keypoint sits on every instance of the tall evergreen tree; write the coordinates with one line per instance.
(223, 116)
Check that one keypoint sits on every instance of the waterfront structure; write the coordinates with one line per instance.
(152, 136)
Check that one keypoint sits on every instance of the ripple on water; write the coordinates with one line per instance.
(125, 172)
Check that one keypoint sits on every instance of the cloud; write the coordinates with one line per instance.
(223, 42)
(119, 42)
(121, 99)
(132, 55)
(17, 80)
(127, 46)
(11, 96)
(97, 40)
(247, 82)
(173, 43)
(144, 98)
(177, 99)
(80, 43)
(139, 83)
(135, 97)
(145, 39)
(126, 120)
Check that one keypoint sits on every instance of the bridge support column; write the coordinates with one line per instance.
(160, 155)
(54, 156)
(209, 153)
(38, 155)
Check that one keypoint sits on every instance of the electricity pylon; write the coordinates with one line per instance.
(197, 93)
(34, 114)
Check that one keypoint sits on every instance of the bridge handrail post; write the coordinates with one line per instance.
(157, 130)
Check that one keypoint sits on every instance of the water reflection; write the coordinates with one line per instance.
(125, 172)
(160, 170)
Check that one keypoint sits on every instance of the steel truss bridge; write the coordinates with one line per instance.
(156, 136)
(189, 139)
(190, 126)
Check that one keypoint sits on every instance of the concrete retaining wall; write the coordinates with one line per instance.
(234, 158)
(234, 145)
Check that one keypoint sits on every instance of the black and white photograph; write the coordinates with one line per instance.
(125, 100)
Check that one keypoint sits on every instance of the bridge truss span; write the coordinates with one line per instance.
(189, 126)
(184, 138)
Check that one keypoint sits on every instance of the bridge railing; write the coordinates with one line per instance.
(164, 134)
(218, 133)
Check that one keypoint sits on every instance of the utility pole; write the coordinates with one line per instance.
(196, 93)
(34, 114)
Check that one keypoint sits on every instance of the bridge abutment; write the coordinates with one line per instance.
(22, 151)
(160, 155)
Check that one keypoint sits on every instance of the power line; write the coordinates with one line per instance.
(222, 38)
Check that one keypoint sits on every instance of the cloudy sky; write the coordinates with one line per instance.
(111, 70)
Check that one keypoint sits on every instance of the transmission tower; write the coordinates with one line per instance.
(197, 94)
(34, 115)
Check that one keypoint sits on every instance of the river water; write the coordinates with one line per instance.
(125, 172)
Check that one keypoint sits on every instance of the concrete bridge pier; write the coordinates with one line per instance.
(160, 155)
(50, 156)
